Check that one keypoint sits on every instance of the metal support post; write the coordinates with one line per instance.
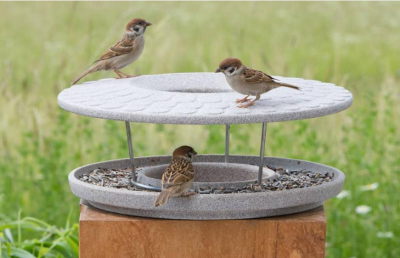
(227, 135)
(262, 150)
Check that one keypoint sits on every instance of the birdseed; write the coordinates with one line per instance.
(286, 179)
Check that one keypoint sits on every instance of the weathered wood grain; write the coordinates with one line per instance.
(104, 234)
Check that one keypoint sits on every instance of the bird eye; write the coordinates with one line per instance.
(225, 67)
(231, 69)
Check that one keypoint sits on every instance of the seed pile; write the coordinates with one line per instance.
(286, 179)
(117, 178)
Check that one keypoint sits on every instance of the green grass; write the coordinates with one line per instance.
(36, 238)
(353, 44)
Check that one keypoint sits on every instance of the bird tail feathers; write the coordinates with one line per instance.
(288, 85)
(90, 70)
(162, 198)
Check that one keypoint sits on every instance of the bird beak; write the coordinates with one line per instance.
(195, 153)
(148, 24)
(218, 70)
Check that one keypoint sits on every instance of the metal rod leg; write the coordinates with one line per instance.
(227, 134)
(132, 163)
(262, 150)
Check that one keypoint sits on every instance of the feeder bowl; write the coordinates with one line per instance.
(211, 175)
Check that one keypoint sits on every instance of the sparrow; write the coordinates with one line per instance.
(179, 175)
(248, 81)
(123, 53)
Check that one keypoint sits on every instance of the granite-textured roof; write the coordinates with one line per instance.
(199, 98)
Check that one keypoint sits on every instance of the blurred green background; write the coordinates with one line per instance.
(45, 45)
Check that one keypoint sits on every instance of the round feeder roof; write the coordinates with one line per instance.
(199, 98)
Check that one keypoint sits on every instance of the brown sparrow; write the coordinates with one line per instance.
(123, 53)
(179, 175)
(248, 81)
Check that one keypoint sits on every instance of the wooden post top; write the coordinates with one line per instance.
(90, 213)
(104, 234)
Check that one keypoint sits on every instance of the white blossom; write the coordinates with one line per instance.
(343, 194)
(385, 234)
(363, 209)
(369, 187)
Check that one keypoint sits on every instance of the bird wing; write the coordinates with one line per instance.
(255, 76)
(178, 172)
(124, 46)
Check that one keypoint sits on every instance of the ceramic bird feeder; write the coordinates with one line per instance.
(206, 99)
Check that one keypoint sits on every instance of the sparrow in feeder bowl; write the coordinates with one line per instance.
(179, 175)
(248, 81)
(126, 51)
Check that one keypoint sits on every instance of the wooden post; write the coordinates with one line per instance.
(104, 234)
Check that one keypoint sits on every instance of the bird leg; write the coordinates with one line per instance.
(189, 194)
(119, 74)
(243, 100)
(129, 76)
(250, 103)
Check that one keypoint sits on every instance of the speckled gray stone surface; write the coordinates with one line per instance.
(210, 174)
(199, 98)
(209, 206)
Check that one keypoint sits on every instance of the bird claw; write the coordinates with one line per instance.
(128, 76)
(132, 76)
(189, 194)
(242, 100)
(246, 106)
